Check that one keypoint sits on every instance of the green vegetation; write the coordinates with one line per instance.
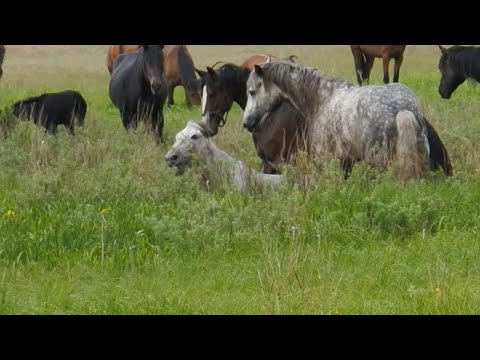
(97, 223)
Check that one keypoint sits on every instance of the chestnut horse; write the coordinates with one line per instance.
(260, 58)
(364, 56)
(179, 69)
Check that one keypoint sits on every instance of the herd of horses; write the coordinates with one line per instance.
(288, 107)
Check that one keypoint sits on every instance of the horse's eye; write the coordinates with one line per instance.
(194, 137)
(259, 84)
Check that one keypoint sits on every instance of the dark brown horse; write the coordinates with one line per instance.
(138, 88)
(2, 56)
(276, 139)
(179, 69)
(364, 56)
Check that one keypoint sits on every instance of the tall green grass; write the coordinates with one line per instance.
(98, 224)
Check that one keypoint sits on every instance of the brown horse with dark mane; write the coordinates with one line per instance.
(364, 56)
(2, 56)
(179, 69)
(277, 139)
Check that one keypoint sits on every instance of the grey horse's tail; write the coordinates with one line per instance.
(412, 150)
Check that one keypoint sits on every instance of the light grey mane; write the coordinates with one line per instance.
(293, 78)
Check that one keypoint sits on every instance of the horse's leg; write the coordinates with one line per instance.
(170, 89)
(396, 69)
(347, 166)
(157, 127)
(359, 65)
(369, 59)
(386, 63)
(70, 129)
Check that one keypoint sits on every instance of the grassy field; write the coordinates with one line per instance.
(98, 224)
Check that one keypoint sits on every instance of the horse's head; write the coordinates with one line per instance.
(192, 92)
(452, 78)
(263, 97)
(153, 67)
(215, 100)
(191, 139)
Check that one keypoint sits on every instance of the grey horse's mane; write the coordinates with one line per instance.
(288, 75)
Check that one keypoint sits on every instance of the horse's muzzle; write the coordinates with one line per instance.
(171, 159)
(156, 88)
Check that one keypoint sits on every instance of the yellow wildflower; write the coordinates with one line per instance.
(9, 214)
(105, 210)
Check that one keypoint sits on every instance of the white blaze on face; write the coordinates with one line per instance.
(204, 99)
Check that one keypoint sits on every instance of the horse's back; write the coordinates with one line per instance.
(380, 51)
(256, 59)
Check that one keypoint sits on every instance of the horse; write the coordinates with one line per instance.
(281, 134)
(194, 138)
(179, 69)
(138, 88)
(260, 58)
(2, 57)
(378, 124)
(52, 109)
(364, 56)
(456, 64)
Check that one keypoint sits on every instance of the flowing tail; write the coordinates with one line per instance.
(412, 148)
(438, 153)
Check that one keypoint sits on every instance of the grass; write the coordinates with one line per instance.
(97, 223)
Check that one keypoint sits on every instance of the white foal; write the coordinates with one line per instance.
(193, 139)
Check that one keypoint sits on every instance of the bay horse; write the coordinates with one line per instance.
(457, 64)
(378, 124)
(281, 134)
(138, 88)
(364, 56)
(2, 57)
(179, 69)
(194, 139)
(49, 110)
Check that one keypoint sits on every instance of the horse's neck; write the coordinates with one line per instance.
(308, 92)
(187, 70)
(236, 86)
(212, 155)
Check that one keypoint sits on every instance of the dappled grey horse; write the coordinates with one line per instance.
(377, 123)
(194, 139)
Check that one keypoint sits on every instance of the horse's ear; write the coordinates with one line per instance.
(258, 70)
(201, 73)
(443, 50)
(212, 73)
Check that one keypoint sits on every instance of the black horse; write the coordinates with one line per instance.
(457, 64)
(138, 88)
(52, 109)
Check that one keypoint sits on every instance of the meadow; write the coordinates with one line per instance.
(98, 224)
